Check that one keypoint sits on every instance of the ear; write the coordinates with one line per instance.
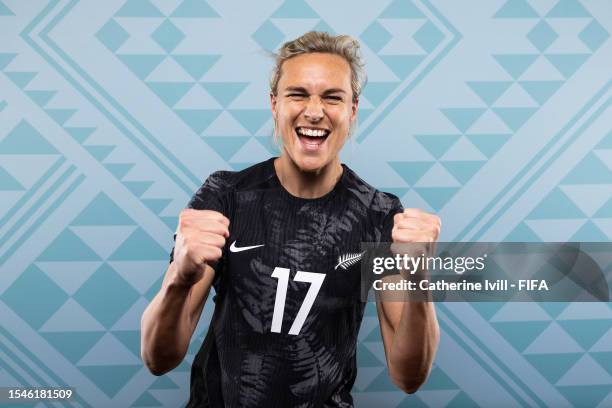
(273, 105)
(354, 110)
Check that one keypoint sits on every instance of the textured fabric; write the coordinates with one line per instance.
(243, 361)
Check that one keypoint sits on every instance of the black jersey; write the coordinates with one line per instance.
(287, 310)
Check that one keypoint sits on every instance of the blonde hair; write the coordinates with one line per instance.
(344, 46)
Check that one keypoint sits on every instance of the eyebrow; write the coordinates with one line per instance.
(303, 90)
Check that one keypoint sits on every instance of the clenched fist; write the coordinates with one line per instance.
(415, 232)
(200, 238)
(414, 225)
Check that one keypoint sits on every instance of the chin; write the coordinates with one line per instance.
(310, 164)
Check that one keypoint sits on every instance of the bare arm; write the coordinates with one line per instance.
(410, 334)
(170, 319)
(409, 329)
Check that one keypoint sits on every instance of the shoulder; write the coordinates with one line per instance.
(369, 196)
(223, 182)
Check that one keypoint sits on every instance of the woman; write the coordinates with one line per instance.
(270, 240)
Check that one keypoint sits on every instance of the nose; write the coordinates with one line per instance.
(314, 110)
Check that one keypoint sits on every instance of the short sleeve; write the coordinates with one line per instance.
(396, 207)
(210, 196)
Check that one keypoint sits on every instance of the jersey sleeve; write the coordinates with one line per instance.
(387, 227)
(210, 196)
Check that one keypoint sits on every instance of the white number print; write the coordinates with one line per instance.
(282, 274)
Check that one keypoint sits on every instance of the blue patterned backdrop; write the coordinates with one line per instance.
(494, 114)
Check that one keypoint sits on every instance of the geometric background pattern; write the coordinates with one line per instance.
(494, 114)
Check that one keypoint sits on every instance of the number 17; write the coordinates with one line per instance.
(282, 274)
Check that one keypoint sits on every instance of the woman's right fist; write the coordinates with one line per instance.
(200, 238)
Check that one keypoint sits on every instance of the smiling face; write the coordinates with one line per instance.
(314, 108)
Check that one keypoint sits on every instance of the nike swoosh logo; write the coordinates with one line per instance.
(234, 248)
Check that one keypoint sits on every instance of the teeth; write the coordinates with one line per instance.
(311, 132)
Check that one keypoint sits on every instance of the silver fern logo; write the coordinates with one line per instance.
(346, 260)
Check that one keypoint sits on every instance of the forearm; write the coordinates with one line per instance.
(166, 328)
(414, 345)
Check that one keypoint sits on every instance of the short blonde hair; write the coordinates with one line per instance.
(344, 46)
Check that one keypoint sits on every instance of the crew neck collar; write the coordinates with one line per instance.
(286, 194)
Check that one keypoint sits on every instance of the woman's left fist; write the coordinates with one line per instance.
(414, 225)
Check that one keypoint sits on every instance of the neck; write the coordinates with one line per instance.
(304, 184)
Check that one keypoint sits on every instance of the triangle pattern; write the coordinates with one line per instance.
(102, 211)
(8, 182)
(104, 239)
(146, 400)
(515, 64)
(437, 176)
(195, 9)
(139, 8)
(555, 230)
(568, 9)
(437, 197)
(130, 339)
(437, 145)
(196, 65)
(119, 170)
(198, 119)
(522, 233)
(589, 232)
(411, 172)
(6, 59)
(553, 365)
(108, 351)
(516, 9)
(100, 152)
(24, 139)
(225, 92)
(377, 92)
(21, 79)
(514, 118)
(402, 65)
(488, 144)
(41, 97)
(226, 146)
(141, 65)
(520, 334)
(489, 91)
(170, 92)
(140, 274)
(110, 379)
(295, 9)
(556, 205)
(463, 170)
(80, 134)
(68, 247)
(69, 275)
(541, 91)
(590, 170)
(251, 119)
(5, 11)
(462, 118)
(567, 64)
(586, 332)
(402, 9)
(585, 395)
(139, 247)
(554, 340)
(73, 318)
(586, 372)
(73, 345)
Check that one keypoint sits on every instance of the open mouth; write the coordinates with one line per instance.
(311, 138)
